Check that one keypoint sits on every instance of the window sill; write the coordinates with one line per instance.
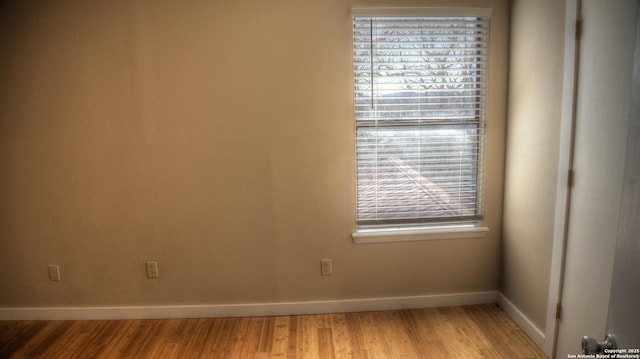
(418, 234)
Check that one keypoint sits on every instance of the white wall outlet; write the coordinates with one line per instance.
(326, 267)
(152, 269)
(54, 272)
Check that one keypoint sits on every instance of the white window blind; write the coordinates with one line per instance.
(420, 112)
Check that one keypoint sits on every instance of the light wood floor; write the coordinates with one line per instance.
(483, 331)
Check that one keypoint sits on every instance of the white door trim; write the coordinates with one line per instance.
(565, 164)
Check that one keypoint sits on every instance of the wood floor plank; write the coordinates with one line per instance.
(483, 331)
(309, 337)
(294, 347)
(326, 349)
(340, 336)
(374, 343)
(358, 346)
(280, 342)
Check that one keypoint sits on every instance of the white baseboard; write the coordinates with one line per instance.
(245, 310)
(525, 324)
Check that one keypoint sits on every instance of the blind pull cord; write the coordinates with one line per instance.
(371, 60)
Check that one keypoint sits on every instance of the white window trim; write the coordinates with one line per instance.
(420, 12)
(368, 236)
(418, 234)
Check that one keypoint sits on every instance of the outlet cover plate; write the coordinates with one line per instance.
(326, 267)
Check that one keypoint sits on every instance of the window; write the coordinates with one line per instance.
(420, 111)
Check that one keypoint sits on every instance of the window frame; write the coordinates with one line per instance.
(437, 230)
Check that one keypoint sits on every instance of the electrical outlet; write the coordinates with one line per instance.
(152, 269)
(326, 267)
(54, 272)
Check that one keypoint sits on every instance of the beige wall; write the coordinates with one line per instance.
(535, 91)
(215, 137)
